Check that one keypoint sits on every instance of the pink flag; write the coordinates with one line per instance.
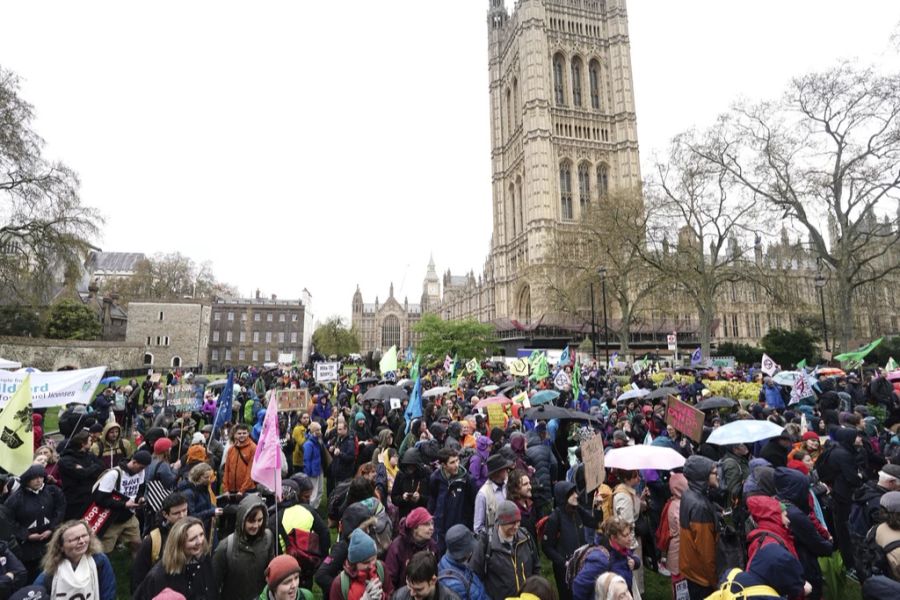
(266, 467)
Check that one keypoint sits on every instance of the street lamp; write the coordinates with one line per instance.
(601, 271)
(593, 326)
(820, 284)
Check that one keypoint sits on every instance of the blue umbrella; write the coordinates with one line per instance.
(543, 397)
(744, 431)
(108, 380)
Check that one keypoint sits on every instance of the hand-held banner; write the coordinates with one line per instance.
(54, 388)
(684, 418)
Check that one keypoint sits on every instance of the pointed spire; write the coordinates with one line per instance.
(391, 294)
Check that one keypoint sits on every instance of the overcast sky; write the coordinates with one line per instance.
(325, 144)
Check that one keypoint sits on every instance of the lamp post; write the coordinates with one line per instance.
(601, 271)
(820, 284)
(593, 326)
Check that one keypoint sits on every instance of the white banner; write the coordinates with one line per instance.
(561, 380)
(285, 358)
(55, 388)
(327, 371)
(768, 365)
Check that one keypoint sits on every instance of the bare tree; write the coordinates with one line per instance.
(170, 277)
(827, 156)
(45, 229)
(605, 237)
(697, 204)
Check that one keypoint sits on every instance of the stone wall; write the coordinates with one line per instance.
(169, 332)
(52, 355)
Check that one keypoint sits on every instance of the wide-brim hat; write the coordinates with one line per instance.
(496, 462)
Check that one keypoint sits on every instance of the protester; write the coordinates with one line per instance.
(416, 533)
(283, 580)
(79, 470)
(75, 565)
(241, 558)
(38, 508)
(454, 571)
(121, 490)
(492, 493)
(174, 508)
(451, 494)
(888, 532)
(422, 581)
(698, 518)
(505, 555)
(185, 566)
(238, 460)
(363, 574)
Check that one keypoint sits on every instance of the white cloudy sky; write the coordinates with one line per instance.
(325, 144)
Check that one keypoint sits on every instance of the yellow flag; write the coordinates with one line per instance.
(16, 433)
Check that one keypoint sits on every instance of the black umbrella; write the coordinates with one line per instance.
(508, 385)
(201, 380)
(545, 412)
(367, 380)
(716, 402)
(581, 416)
(686, 370)
(385, 392)
(662, 393)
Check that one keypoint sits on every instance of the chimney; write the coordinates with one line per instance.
(257, 293)
(274, 297)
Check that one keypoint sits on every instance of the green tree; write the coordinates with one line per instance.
(334, 338)
(72, 320)
(787, 348)
(467, 339)
(46, 230)
(742, 353)
(16, 319)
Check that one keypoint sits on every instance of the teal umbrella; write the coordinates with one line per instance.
(544, 397)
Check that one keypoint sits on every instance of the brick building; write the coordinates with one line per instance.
(173, 334)
(252, 331)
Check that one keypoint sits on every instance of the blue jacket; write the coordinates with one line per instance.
(773, 396)
(105, 575)
(461, 580)
(257, 429)
(321, 411)
(598, 562)
(773, 566)
(312, 457)
(199, 503)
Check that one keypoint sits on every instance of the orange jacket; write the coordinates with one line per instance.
(236, 474)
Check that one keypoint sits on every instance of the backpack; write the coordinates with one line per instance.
(302, 545)
(577, 560)
(859, 523)
(155, 545)
(382, 531)
(345, 579)
(663, 535)
(724, 592)
(337, 498)
(871, 559)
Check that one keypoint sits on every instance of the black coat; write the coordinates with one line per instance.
(541, 457)
(36, 512)
(343, 466)
(195, 582)
(564, 531)
(775, 453)
(79, 471)
(405, 482)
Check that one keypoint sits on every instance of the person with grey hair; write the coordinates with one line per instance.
(889, 532)
(610, 586)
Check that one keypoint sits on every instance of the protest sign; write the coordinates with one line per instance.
(592, 456)
(293, 400)
(684, 418)
(519, 367)
(327, 371)
(562, 380)
(396, 403)
(155, 377)
(182, 398)
(496, 415)
(55, 388)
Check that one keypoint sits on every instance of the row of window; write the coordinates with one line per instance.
(581, 132)
(242, 355)
(229, 336)
(567, 87)
(731, 328)
(217, 316)
(584, 186)
(161, 340)
(574, 27)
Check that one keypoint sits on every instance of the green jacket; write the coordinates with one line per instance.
(302, 594)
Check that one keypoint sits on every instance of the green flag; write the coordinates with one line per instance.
(891, 365)
(388, 362)
(541, 370)
(801, 365)
(858, 355)
(453, 366)
(576, 382)
(478, 371)
(414, 372)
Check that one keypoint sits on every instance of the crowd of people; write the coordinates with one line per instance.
(430, 496)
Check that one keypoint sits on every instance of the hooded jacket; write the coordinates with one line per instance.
(775, 567)
(517, 442)
(697, 516)
(400, 551)
(735, 470)
(450, 500)
(355, 517)
(413, 476)
(239, 566)
(564, 531)
(460, 579)
(751, 486)
(793, 489)
(504, 567)
(541, 458)
(766, 512)
(111, 455)
(600, 561)
(478, 462)
(677, 485)
(236, 471)
(257, 427)
(36, 512)
(775, 453)
(839, 467)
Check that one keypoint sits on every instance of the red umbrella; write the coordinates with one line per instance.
(493, 400)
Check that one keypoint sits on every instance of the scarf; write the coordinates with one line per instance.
(81, 582)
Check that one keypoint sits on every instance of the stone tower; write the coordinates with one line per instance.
(431, 289)
(563, 132)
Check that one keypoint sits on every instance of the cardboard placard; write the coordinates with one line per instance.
(684, 418)
(592, 457)
(396, 403)
(519, 367)
(327, 371)
(293, 400)
(182, 397)
(155, 377)
(496, 415)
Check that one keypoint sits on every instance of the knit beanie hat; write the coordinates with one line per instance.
(508, 513)
(196, 454)
(362, 547)
(810, 435)
(280, 568)
(142, 457)
(798, 465)
(162, 445)
(890, 502)
(359, 417)
(417, 516)
(198, 438)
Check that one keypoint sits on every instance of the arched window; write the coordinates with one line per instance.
(390, 332)
(603, 180)
(515, 93)
(558, 85)
(584, 186)
(510, 123)
(512, 212)
(524, 305)
(176, 361)
(521, 204)
(594, 76)
(565, 191)
(576, 81)
(148, 359)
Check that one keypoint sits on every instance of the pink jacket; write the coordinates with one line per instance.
(677, 484)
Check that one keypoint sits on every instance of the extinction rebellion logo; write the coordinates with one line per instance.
(10, 437)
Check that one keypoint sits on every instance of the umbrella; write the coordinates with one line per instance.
(406, 383)
(642, 456)
(490, 388)
(201, 380)
(545, 412)
(785, 378)
(715, 402)
(367, 380)
(437, 391)
(662, 393)
(386, 392)
(580, 416)
(508, 385)
(893, 376)
(686, 370)
(544, 396)
(830, 371)
(744, 432)
(492, 400)
(217, 383)
(111, 379)
(632, 394)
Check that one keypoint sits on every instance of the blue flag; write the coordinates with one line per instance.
(564, 357)
(223, 408)
(697, 357)
(414, 408)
